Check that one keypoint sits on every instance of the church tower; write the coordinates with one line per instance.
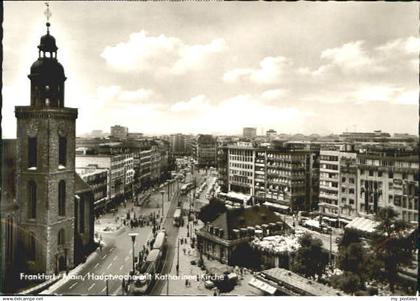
(46, 167)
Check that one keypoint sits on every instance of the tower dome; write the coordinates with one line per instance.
(47, 43)
(47, 75)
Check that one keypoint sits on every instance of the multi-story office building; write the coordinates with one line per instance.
(145, 165)
(249, 132)
(115, 164)
(177, 143)
(204, 150)
(222, 168)
(155, 164)
(119, 132)
(348, 183)
(388, 180)
(357, 184)
(98, 180)
(337, 183)
(285, 179)
(128, 175)
(241, 169)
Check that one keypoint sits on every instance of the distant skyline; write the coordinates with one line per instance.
(210, 67)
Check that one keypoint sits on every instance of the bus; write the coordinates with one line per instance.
(177, 217)
(186, 187)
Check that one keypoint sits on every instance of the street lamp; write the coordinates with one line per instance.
(133, 239)
(162, 192)
(169, 183)
(177, 260)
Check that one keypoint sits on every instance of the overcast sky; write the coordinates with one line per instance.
(208, 67)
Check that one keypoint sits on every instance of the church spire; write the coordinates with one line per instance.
(47, 74)
(48, 15)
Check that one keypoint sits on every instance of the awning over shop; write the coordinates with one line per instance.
(329, 219)
(274, 205)
(362, 224)
(312, 223)
(265, 287)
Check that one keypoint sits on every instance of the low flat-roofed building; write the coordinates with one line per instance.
(278, 281)
(236, 227)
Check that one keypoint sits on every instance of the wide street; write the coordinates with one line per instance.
(172, 235)
(116, 258)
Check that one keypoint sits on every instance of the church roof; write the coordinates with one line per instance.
(80, 186)
(236, 218)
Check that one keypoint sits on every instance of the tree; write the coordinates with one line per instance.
(211, 211)
(310, 259)
(392, 248)
(348, 282)
(245, 256)
(352, 255)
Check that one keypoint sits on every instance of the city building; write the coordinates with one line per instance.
(223, 238)
(358, 183)
(119, 132)
(115, 165)
(284, 178)
(98, 180)
(177, 143)
(204, 151)
(375, 136)
(271, 134)
(388, 180)
(249, 132)
(135, 136)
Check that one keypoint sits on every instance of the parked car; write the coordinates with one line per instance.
(208, 284)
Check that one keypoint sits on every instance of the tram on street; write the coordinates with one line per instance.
(177, 217)
(150, 267)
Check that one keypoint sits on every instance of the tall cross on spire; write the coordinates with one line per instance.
(48, 14)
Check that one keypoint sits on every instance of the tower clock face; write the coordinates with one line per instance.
(32, 129)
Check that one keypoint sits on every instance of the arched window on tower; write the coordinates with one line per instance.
(61, 240)
(62, 198)
(32, 199)
(32, 152)
(62, 150)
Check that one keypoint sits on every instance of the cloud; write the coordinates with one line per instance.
(270, 71)
(139, 95)
(356, 58)
(143, 53)
(350, 56)
(196, 103)
(274, 94)
(375, 93)
(408, 97)
(408, 45)
(192, 57)
(228, 115)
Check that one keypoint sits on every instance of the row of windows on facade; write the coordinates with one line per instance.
(33, 151)
(405, 164)
(33, 198)
(240, 179)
